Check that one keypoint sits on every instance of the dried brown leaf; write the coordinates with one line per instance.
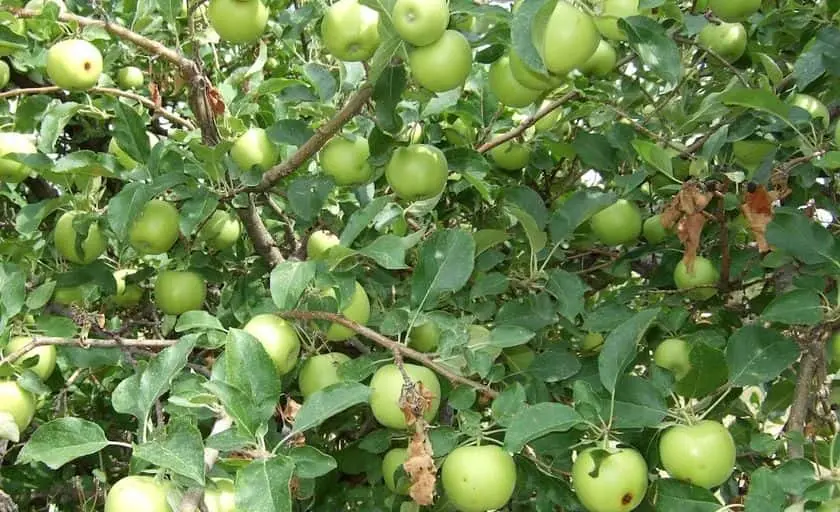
(758, 210)
(415, 400)
(214, 97)
(420, 466)
(154, 94)
(689, 231)
(686, 212)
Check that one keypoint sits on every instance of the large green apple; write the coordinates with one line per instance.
(702, 454)
(5, 74)
(602, 62)
(155, 229)
(74, 64)
(506, 88)
(617, 224)
(358, 311)
(701, 283)
(511, 155)
(319, 372)
(46, 355)
(350, 31)
(17, 402)
(443, 65)
(478, 478)
(424, 337)
(815, 108)
(420, 22)
(12, 171)
(319, 243)
(345, 160)
(92, 246)
(122, 157)
(619, 484)
(528, 77)
(673, 354)
(128, 294)
(221, 497)
(130, 77)
(611, 12)
(417, 172)
(279, 339)
(734, 10)
(728, 40)
(238, 21)
(137, 493)
(221, 230)
(392, 460)
(570, 38)
(254, 148)
(386, 387)
(177, 292)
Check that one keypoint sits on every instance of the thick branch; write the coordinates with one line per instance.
(528, 122)
(263, 241)
(802, 396)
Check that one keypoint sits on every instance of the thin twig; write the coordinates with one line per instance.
(528, 122)
(42, 341)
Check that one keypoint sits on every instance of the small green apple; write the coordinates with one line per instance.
(137, 493)
(727, 40)
(417, 172)
(701, 281)
(12, 171)
(74, 64)
(254, 148)
(386, 387)
(221, 230)
(17, 402)
(424, 337)
(350, 31)
(238, 21)
(592, 343)
(674, 354)
(617, 224)
(653, 230)
(46, 355)
(319, 372)
(511, 155)
(279, 339)
(443, 65)
(69, 296)
(358, 310)
(319, 243)
(5, 74)
(156, 228)
(506, 88)
(91, 247)
(221, 497)
(346, 160)
(478, 478)
(130, 77)
(420, 22)
(734, 10)
(602, 62)
(570, 38)
(392, 461)
(611, 12)
(813, 106)
(177, 292)
(528, 77)
(128, 294)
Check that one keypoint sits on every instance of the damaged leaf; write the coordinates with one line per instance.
(686, 211)
(420, 466)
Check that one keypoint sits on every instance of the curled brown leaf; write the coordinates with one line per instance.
(420, 466)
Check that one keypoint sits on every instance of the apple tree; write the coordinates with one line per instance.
(376, 255)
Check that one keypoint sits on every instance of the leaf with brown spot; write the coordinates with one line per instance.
(420, 467)
(758, 210)
(415, 400)
(686, 212)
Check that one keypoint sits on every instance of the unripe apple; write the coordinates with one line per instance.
(653, 230)
(617, 224)
(319, 243)
(177, 292)
(5, 74)
(506, 88)
(279, 339)
(813, 106)
(69, 296)
(222, 497)
(319, 372)
(420, 22)
(734, 10)
(701, 283)
(386, 387)
(358, 310)
(221, 230)
(12, 171)
(140, 493)
(727, 40)
(128, 294)
(391, 462)
(346, 160)
(156, 228)
(592, 343)
(417, 172)
(46, 355)
(611, 12)
(424, 337)
(511, 155)
(130, 77)
(17, 402)
(570, 38)
(602, 62)
(674, 354)
(350, 31)
(74, 64)
(254, 148)
(528, 77)
(443, 65)
(92, 245)
(238, 21)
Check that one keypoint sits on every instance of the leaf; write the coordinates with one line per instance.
(181, 450)
(322, 79)
(576, 210)
(487, 238)
(195, 210)
(797, 307)
(657, 157)
(238, 405)
(638, 404)
(554, 364)
(263, 485)
(198, 320)
(758, 210)
(655, 47)
(568, 290)
(521, 29)
(324, 404)
(126, 205)
(486, 285)
(445, 263)
(387, 94)
(55, 120)
(292, 132)
(388, 251)
(288, 281)
(537, 238)
(620, 347)
(505, 336)
(803, 238)
(757, 99)
(130, 133)
(756, 355)
(595, 151)
(509, 402)
(538, 420)
(311, 462)
(307, 194)
(59, 441)
(360, 219)
(249, 369)
(675, 496)
(765, 493)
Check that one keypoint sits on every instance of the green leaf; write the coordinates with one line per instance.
(311, 462)
(797, 307)
(675, 496)
(55, 120)
(263, 485)
(292, 132)
(307, 195)
(196, 210)
(808, 241)
(568, 290)
(486, 285)
(538, 420)
(708, 370)
(554, 364)
(322, 79)
(620, 347)
(765, 493)
(576, 210)
(654, 155)
(130, 132)
(756, 355)
(445, 263)
(387, 94)
(757, 99)
(655, 47)
(595, 150)
(360, 219)
(59, 441)
(638, 404)
(198, 320)
(288, 281)
(30, 217)
(506, 336)
(537, 238)
(509, 403)
(249, 368)
(169, 9)
(181, 450)
(126, 205)
(239, 405)
(388, 251)
(487, 238)
(324, 404)
(521, 29)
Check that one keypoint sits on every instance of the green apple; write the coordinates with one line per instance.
(130, 77)
(91, 247)
(836, 143)
(617, 224)
(653, 230)
(177, 292)
(420, 22)
(155, 229)
(610, 480)
(74, 64)
(611, 12)
(570, 38)
(350, 31)
(392, 460)
(815, 108)
(702, 454)
(424, 337)
(386, 387)
(506, 88)
(17, 402)
(345, 160)
(511, 155)
(826, 506)
(12, 171)
(443, 65)
(592, 343)
(221, 497)
(734, 10)
(728, 40)
(38, 5)
(319, 243)
(417, 172)
(122, 157)
(137, 493)
(528, 77)
(16, 25)
(279, 339)
(358, 311)
(128, 294)
(70, 296)
(602, 62)
(459, 133)
(222, 230)
(254, 148)
(701, 282)
(549, 121)
(46, 355)
(518, 359)
(833, 355)
(5, 74)
(238, 21)
(673, 354)
(319, 372)
(478, 478)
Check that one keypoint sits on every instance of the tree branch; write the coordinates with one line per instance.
(812, 358)
(263, 241)
(42, 341)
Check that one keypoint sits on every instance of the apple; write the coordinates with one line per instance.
(238, 21)
(424, 337)
(130, 77)
(528, 77)
(506, 88)
(122, 157)
(728, 40)
(833, 356)
(602, 62)
(319, 372)
(592, 343)
(74, 64)
(443, 65)
(813, 106)
(619, 484)
(420, 22)
(137, 493)
(254, 148)
(92, 246)
(222, 497)
(279, 339)
(617, 224)
(392, 460)
(478, 478)
(5, 74)
(673, 354)
(511, 156)
(38, 5)
(17, 402)
(350, 31)
(611, 12)
(701, 283)
(549, 121)
(570, 38)
(221, 230)
(836, 143)
(358, 311)
(155, 229)
(826, 506)
(653, 230)
(71, 296)
(12, 171)
(128, 294)
(701, 454)
(177, 292)
(734, 10)
(46, 355)
(345, 160)
(386, 387)
(319, 243)
(417, 172)
(16, 25)
(459, 133)
(519, 359)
